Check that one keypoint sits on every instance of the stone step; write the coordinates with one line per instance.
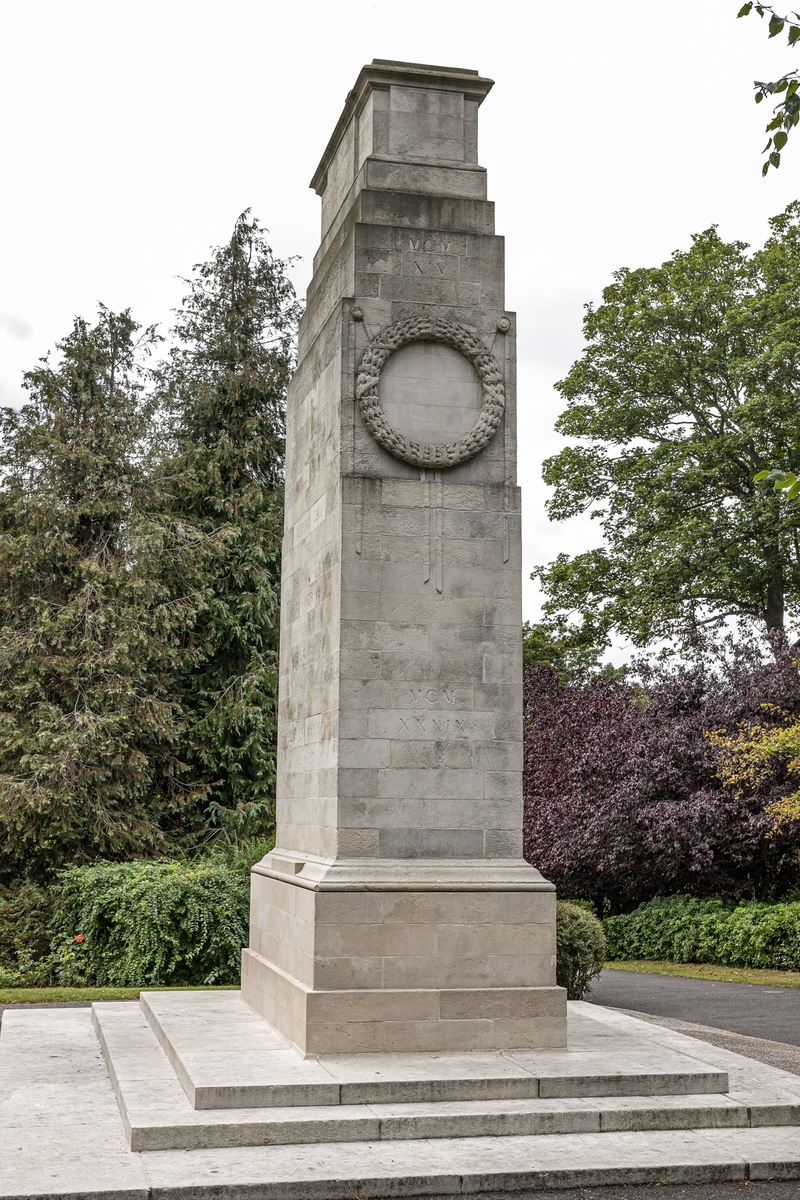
(61, 1136)
(466, 1166)
(157, 1114)
(226, 1056)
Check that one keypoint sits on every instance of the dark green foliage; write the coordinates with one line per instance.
(683, 929)
(581, 948)
(568, 652)
(140, 527)
(686, 390)
(225, 384)
(101, 590)
(150, 924)
(25, 914)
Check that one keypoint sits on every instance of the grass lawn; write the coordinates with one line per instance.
(709, 971)
(51, 995)
(688, 970)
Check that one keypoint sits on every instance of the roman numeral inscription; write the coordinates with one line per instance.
(446, 728)
(428, 268)
(433, 697)
(431, 245)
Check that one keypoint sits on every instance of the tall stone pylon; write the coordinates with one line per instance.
(397, 912)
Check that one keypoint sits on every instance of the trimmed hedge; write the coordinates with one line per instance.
(684, 929)
(169, 923)
(149, 924)
(581, 947)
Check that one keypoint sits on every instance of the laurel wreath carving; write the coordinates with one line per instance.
(424, 328)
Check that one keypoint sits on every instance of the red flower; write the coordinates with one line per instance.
(80, 938)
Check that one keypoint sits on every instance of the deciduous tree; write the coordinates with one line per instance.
(626, 797)
(686, 390)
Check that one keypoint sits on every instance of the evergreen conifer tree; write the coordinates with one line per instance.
(225, 384)
(101, 590)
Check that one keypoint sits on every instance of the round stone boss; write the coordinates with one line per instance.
(424, 328)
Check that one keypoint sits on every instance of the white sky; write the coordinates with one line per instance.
(132, 135)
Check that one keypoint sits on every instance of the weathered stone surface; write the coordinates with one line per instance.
(61, 1134)
(400, 723)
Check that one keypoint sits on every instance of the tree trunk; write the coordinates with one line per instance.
(773, 614)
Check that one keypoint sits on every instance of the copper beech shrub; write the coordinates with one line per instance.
(623, 800)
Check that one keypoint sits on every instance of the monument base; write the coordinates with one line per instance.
(211, 1103)
(368, 955)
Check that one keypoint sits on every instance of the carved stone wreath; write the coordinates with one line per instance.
(424, 328)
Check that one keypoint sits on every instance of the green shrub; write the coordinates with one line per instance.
(25, 913)
(684, 929)
(149, 924)
(581, 947)
(238, 855)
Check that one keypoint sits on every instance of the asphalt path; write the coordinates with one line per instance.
(753, 1009)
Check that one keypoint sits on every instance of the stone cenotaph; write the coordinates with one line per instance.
(397, 912)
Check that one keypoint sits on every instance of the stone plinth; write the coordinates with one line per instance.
(396, 912)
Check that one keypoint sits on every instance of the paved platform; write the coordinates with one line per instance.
(64, 1134)
(751, 1009)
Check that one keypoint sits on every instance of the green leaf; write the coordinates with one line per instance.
(775, 159)
(775, 123)
(774, 474)
(761, 474)
(765, 168)
(794, 490)
(776, 24)
(780, 140)
(794, 34)
(793, 86)
(759, 97)
(746, 9)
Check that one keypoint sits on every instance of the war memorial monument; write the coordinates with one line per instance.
(399, 1031)
(397, 911)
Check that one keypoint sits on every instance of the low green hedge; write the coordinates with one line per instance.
(172, 923)
(163, 923)
(149, 924)
(581, 947)
(683, 929)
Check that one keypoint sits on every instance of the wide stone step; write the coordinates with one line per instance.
(466, 1166)
(225, 1056)
(157, 1113)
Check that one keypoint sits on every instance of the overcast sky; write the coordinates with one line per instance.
(132, 135)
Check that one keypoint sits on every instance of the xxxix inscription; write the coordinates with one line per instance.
(433, 727)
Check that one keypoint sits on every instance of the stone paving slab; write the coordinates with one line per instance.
(783, 1055)
(60, 1131)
